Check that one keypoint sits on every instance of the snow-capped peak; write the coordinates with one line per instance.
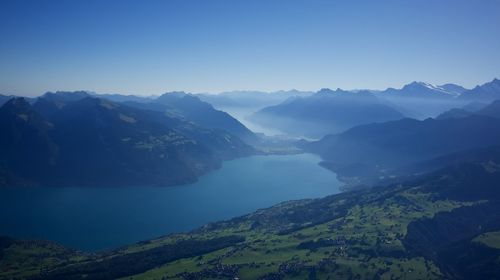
(432, 87)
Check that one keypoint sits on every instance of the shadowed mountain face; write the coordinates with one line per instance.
(191, 108)
(95, 142)
(326, 112)
(4, 99)
(204, 114)
(378, 150)
(176, 104)
(26, 150)
(50, 103)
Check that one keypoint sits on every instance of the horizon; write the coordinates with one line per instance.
(154, 95)
(219, 46)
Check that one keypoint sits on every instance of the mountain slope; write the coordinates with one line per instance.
(492, 110)
(487, 92)
(422, 100)
(26, 150)
(424, 90)
(101, 143)
(376, 150)
(51, 102)
(4, 99)
(191, 108)
(453, 89)
(252, 99)
(325, 112)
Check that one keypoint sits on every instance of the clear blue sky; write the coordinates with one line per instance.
(149, 47)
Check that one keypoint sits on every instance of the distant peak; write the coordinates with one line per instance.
(76, 92)
(414, 83)
(17, 105)
(18, 102)
(421, 84)
(324, 91)
(175, 93)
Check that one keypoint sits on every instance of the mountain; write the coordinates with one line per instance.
(474, 106)
(422, 100)
(96, 142)
(424, 90)
(453, 89)
(4, 99)
(26, 150)
(453, 114)
(191, 108)
(377, 150)
(123, 98)
(326, 112)
(51, 102)
(492, 110)
(487, 92)
(250, 99)
(242, 104)
(442, 225)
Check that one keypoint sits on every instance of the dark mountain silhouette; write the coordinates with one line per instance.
(51, 102)
(377, 150)
(95, 142)
(26, 150)
(4, 99)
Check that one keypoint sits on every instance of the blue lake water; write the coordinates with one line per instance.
(103, 218)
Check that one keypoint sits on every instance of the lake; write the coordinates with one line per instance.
(103, 218)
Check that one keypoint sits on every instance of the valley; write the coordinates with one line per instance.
(406, 198)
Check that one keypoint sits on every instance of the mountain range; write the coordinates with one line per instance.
(73, 139)
(330, 112)
(384, 150)
(325, 112)
(248, 98)
(483, 93)
(191, 108)
(421, 199)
